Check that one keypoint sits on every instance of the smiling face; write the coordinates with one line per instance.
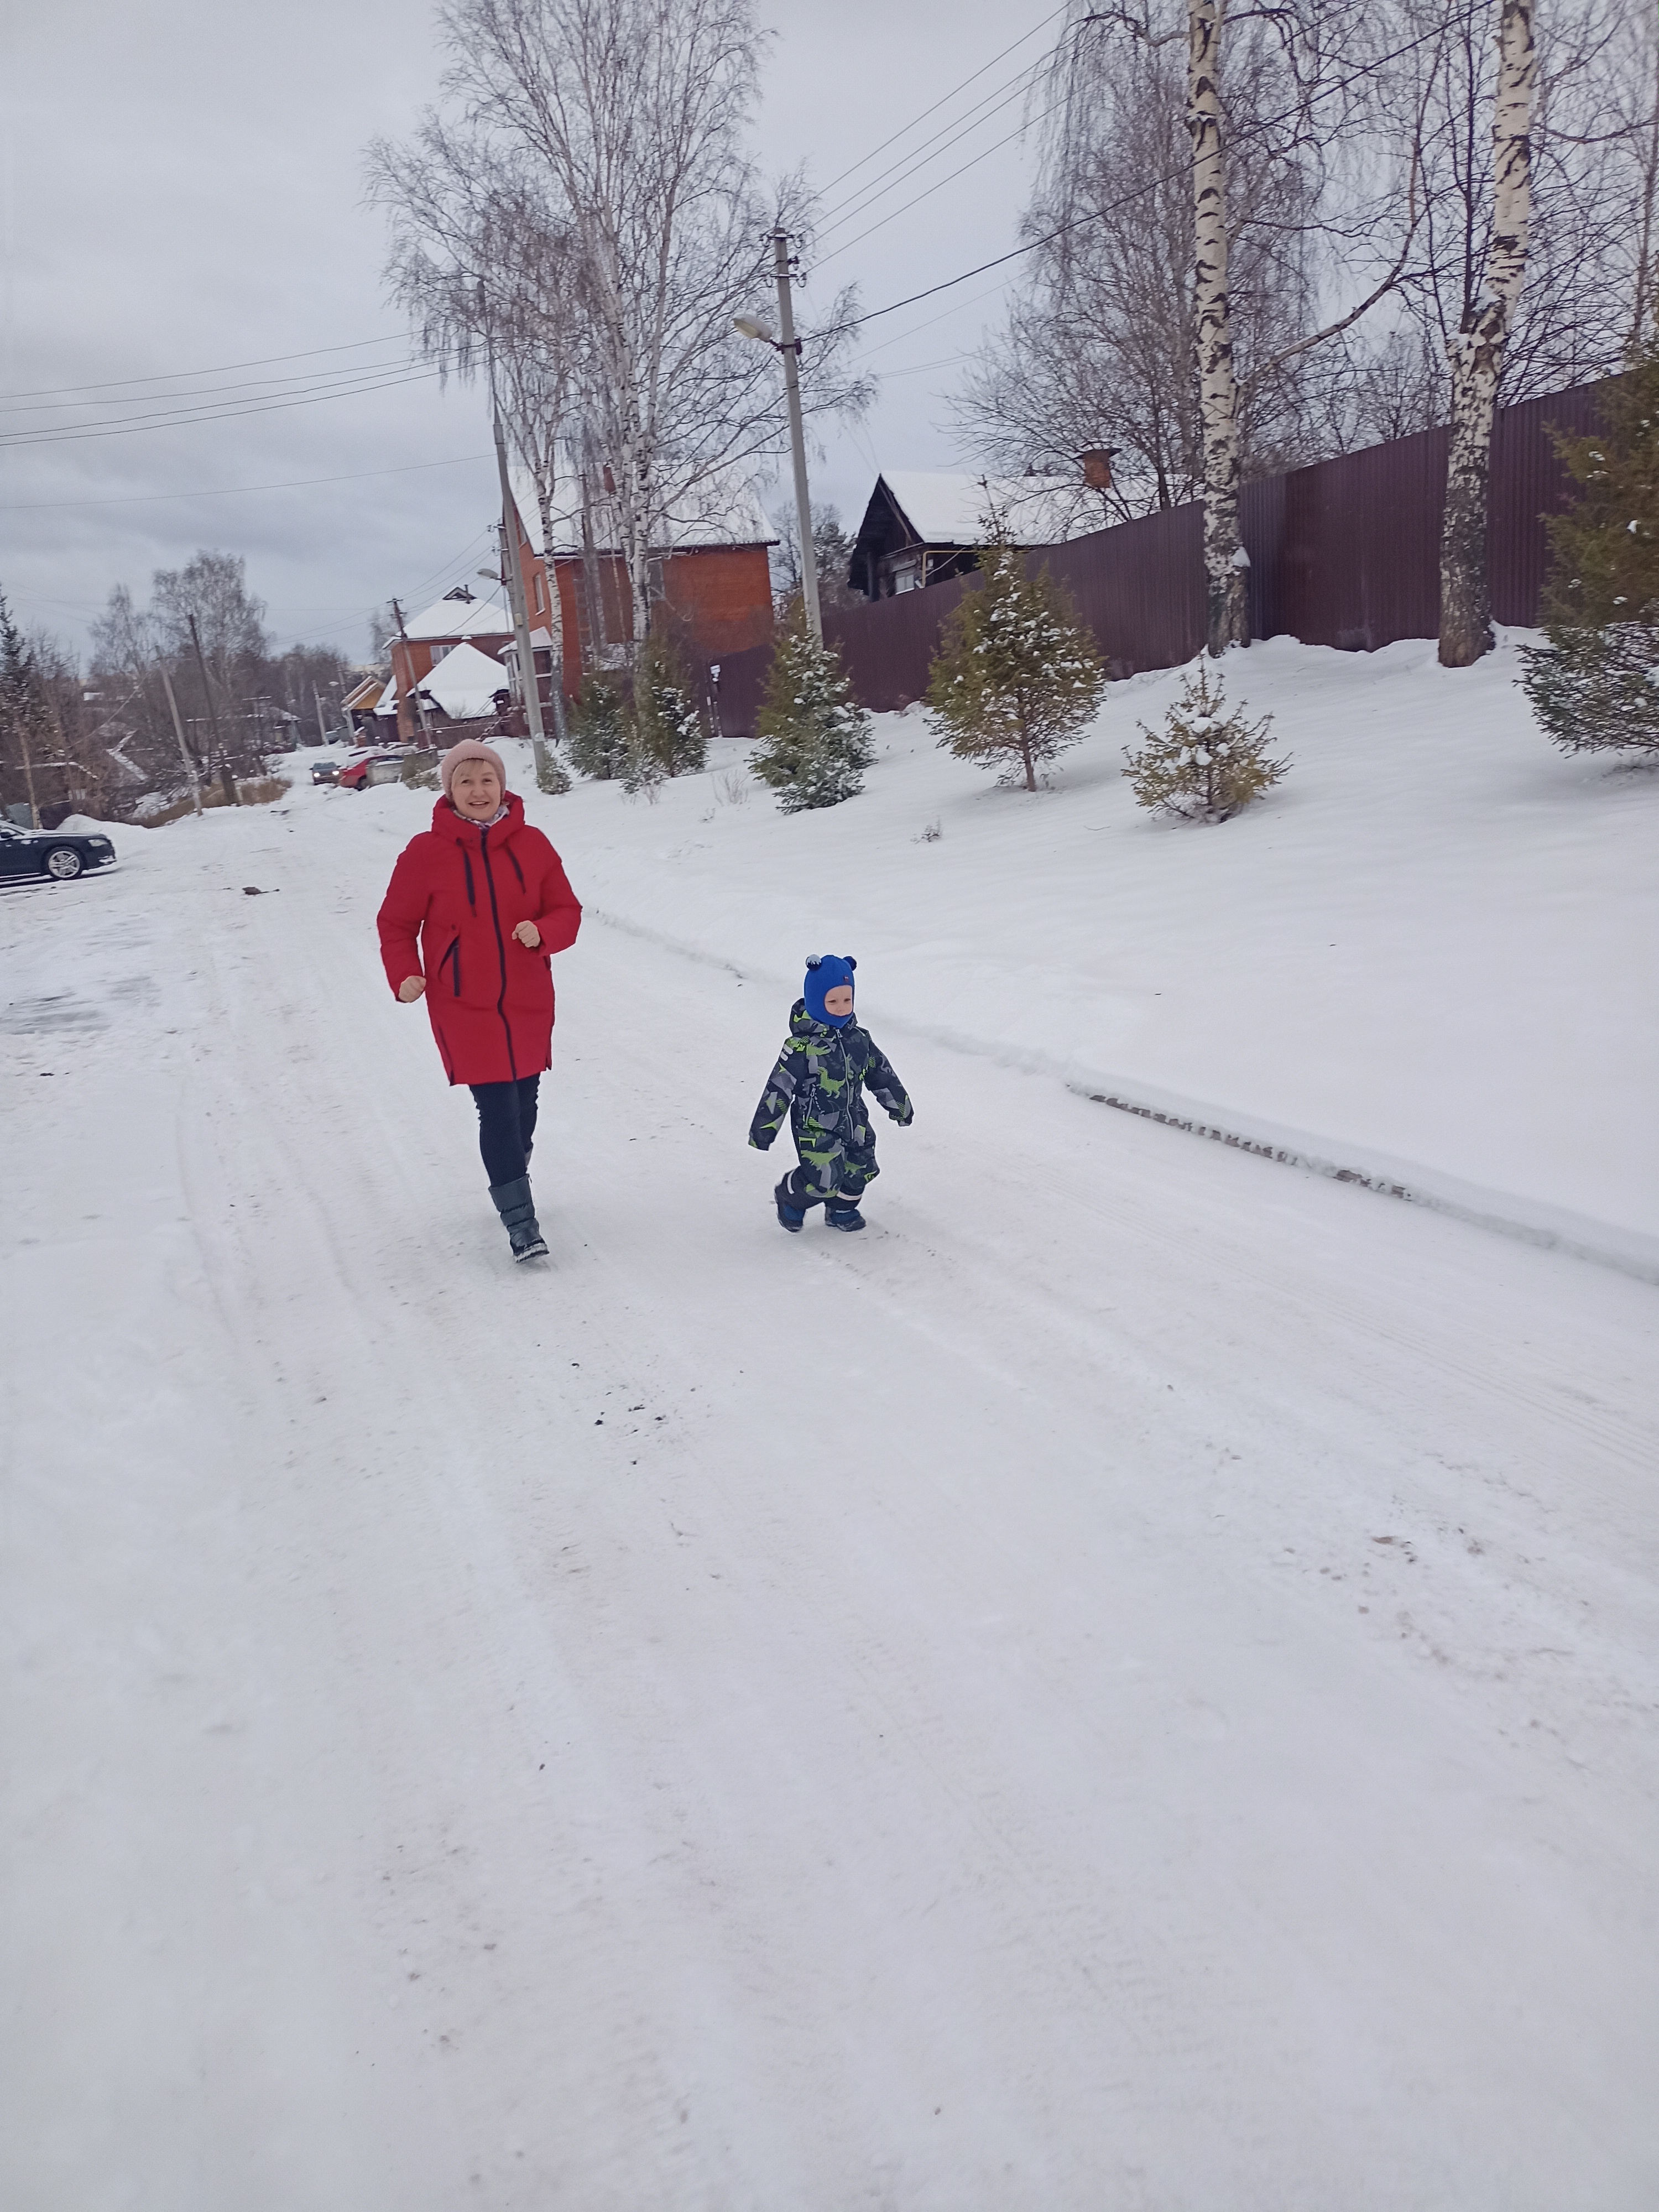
(838, 1001)
(475, 790)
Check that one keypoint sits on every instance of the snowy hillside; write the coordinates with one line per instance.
(1431, 949)
(1132, 1683)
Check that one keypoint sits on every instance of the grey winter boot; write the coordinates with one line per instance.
(518, 1211)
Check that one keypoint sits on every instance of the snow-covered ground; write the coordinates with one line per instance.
(1131, 1684)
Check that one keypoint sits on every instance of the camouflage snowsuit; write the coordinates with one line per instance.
(819, 1080)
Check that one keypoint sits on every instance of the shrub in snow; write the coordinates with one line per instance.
(550, 776)
(1016, 676)
(815, 736)
(598, 743)
(1594, 686)
(1204, 764)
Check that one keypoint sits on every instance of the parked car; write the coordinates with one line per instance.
(355, 775)
(58, 854)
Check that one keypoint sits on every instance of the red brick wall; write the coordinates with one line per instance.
(718, 598)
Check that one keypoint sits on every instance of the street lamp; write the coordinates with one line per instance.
(789, 347)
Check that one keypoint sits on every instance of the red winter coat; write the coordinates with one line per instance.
(463, 890)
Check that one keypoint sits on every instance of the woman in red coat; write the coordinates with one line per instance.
(484, 895)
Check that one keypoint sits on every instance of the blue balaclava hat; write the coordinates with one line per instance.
(824, 972)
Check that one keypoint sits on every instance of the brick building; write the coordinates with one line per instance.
(456, 619)
(711, 579)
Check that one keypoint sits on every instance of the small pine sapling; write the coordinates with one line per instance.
(668, 728)
(1204, 764)
(1017, 677)
(1594, 686)
(598, 743)
(815, 736)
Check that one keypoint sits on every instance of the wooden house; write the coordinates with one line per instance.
(923, 525)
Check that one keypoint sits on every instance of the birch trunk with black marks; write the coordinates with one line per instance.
(1476, 351)
(1226, 565)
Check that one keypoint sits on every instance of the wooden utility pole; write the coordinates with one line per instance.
(420, 703)
(1477, 349)
(512, 577)
(789, 347)
(192, 769)
(227, 773)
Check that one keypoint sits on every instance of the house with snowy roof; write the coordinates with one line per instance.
(710, 574)
(427, 639)
(923, 525)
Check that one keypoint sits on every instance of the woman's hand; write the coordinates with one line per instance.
(411, 988)
(528, 935)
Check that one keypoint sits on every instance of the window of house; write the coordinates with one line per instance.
(541, 601)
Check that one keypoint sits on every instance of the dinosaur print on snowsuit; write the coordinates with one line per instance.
(819, 1081)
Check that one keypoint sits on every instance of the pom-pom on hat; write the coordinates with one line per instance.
(825, 971)
(469, 749)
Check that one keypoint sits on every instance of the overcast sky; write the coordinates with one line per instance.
(182, 192)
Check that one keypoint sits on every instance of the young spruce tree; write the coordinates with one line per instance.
(598, 743)
(668, 737)
(1016, 676)
(1205, 763)
(1594, 686)
(816, 737)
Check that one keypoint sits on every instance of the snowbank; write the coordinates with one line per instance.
(1426, 955)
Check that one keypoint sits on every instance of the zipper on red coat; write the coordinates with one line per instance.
(501, 953)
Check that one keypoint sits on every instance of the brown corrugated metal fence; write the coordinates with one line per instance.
(1344, 553)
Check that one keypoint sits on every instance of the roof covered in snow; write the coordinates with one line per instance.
(724, 510)
(465, 682)
(946, 507)
(460, 618)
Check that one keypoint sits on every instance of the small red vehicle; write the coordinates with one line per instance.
(355, 775)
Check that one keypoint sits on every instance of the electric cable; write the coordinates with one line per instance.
(271, 387)
(14, 443)
(225, 369)
(1153, 184)
(231, 491)
(943, 97)
(908, 165)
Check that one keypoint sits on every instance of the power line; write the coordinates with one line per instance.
(1153, 184)
(225, 369)
(894, 213)
(943, 97)
(271, 387)
(14, 443)
(918, 158)
(232, 491)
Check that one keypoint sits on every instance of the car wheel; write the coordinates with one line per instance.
(64, 863)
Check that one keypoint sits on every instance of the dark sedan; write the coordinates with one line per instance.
(58, 854)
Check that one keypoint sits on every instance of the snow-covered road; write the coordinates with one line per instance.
(1132, 1683)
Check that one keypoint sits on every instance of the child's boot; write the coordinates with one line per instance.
(843, 1213)
(792, 1213)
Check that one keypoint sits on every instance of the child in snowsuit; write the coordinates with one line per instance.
(826, 1065)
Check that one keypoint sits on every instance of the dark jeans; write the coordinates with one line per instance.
(506, 1123)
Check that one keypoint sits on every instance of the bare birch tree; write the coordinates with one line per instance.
(1199, 237)
(1227, 564)
(1477, 349)
(621, 124)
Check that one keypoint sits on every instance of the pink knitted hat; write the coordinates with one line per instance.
(469, 749)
